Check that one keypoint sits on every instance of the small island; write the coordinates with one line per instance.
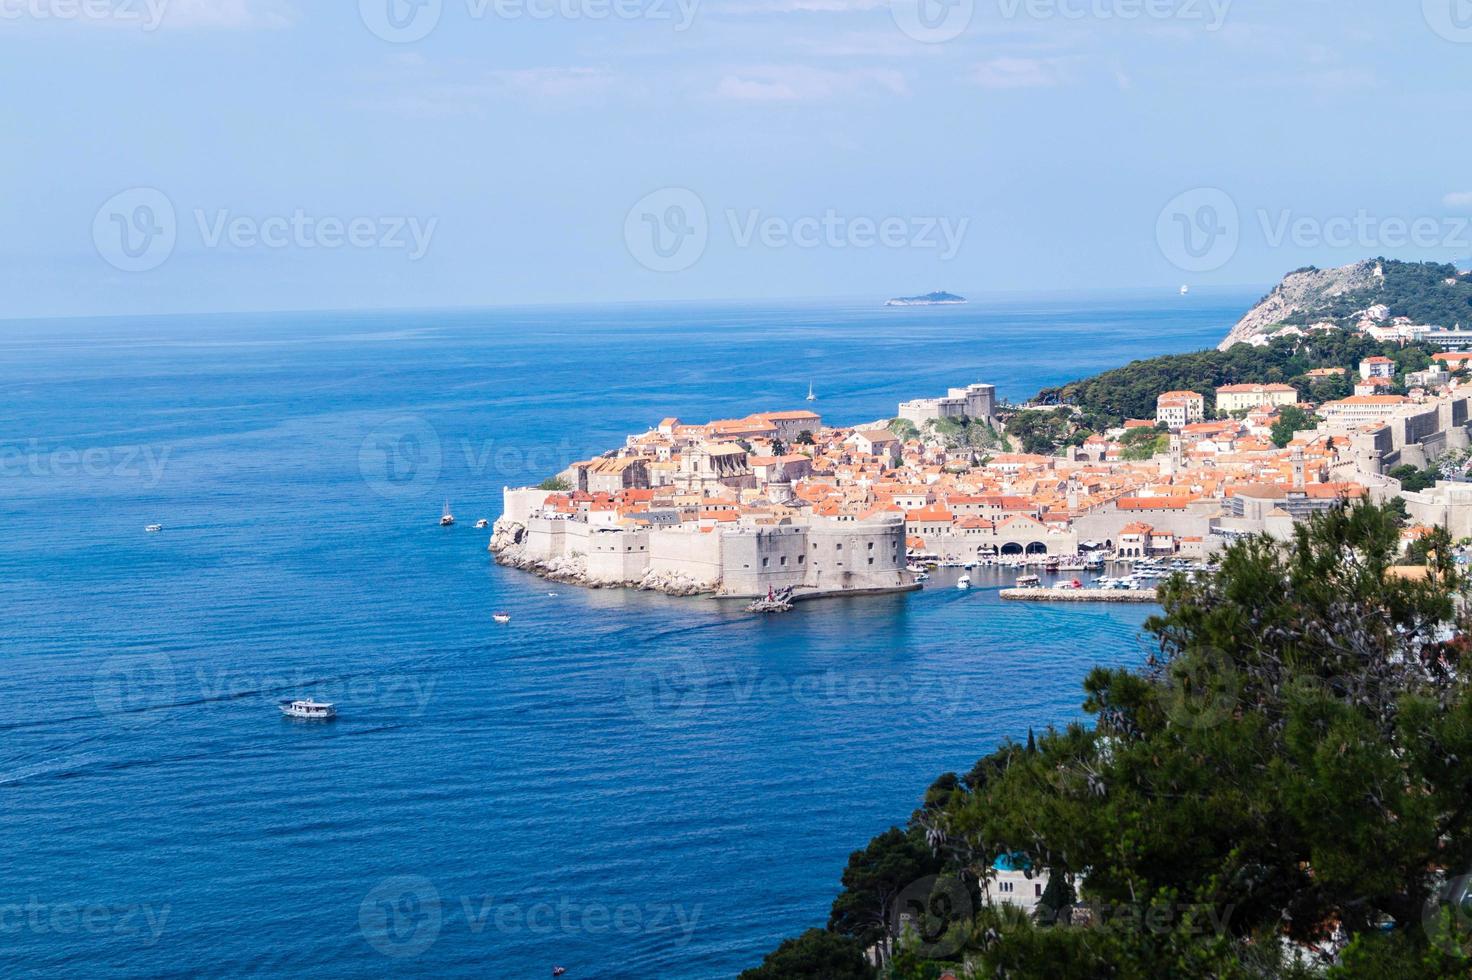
(929, 299)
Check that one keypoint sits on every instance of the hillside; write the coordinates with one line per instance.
(1427, 292)
(1129, 391)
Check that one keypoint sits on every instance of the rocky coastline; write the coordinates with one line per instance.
(508, 549)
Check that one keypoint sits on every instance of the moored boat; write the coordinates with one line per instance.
(447, 518)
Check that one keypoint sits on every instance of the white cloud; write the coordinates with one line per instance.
(437, 98)
(1458, 200)
(1006, 73)
(771, 83)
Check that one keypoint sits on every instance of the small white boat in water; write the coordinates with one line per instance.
(482, 523)
(447, 518)
(811, 397)
(1028, 581)
(501, 617)
(154, 528)
(964, 582)
(308, 708)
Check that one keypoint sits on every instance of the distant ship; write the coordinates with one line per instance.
(929, 299)
(811, 397)
(1185, 290)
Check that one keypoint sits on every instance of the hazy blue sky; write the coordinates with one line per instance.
(569, 150)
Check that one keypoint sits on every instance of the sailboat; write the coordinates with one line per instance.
(1185, 290)
(811, 397)
(447, 519)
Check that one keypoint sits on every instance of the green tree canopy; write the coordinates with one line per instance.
(1292, 766)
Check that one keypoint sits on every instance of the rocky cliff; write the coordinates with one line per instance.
(1429, 293)
(1307, 292)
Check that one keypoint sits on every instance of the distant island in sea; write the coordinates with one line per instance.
(929, 299)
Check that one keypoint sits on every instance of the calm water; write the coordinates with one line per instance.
(624, 784)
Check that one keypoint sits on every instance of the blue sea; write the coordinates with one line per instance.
(624, 784)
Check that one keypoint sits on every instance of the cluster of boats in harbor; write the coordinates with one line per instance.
(1141, 573)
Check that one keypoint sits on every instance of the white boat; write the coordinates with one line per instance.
(447, 518)
(811, 397)
(1185, 290)
(482, 523)
(154, 528)
(1028, 581)
(964, 582)
(501, 617)
(922, 576)
(308, 708)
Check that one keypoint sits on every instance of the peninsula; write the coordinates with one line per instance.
(1172, 458)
